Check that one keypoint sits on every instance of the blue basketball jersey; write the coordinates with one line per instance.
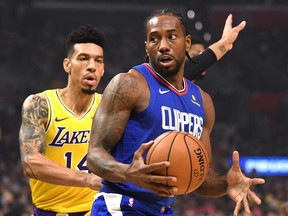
(169, 109)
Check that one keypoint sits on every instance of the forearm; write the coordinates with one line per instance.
(204, 61)
(207, 58)
(41, 168)
(213, 186)
(220, 48)
(104, 165)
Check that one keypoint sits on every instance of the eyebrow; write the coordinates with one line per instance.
(86, 54)
(169, 30)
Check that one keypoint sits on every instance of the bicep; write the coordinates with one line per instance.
(113, 112)
(32, 131)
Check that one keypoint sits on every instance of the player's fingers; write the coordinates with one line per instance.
(162, 189)
(235, 157)
(229, 20)
(156, 166)
(254, 198)
(228, 25)
(246, 205)
(241, 26)
(165, 180)
(168, 190)
(237, 208)
(161, 179)
(142, 148)
(256, 181)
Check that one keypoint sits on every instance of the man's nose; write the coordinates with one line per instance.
(164, 46)
(91, 65)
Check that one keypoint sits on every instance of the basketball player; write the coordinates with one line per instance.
(40, 149)
(138, 106)
(55, 131)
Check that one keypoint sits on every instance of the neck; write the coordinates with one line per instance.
(76, 101)
(173, 83)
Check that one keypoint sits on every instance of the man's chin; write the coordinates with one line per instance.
(165, 70)
(168, 72)
(88, 91)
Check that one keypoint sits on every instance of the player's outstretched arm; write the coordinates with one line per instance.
(239, 186)
(229, 35)
(215, 51)
(32, 148)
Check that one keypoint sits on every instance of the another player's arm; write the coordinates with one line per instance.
(229, 35)
(123, 95)
(215, 51)
(32, 149)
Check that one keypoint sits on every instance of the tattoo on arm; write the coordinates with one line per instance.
(118, 104)
(223, 49)
(32, 131)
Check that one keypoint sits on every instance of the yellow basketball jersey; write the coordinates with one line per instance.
(67, 139)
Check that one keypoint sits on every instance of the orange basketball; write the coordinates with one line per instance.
(188, 159)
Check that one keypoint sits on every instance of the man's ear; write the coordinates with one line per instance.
(66, 65)
(188, 42)
(146, 48)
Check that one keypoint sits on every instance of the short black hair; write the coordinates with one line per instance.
(84, 34)
(168, 12)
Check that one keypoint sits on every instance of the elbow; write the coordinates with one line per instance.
(90, 163)
(95, 162)
(30, 164)
(27, 170)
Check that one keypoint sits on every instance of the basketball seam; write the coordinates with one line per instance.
(191, 165)
(170, 150)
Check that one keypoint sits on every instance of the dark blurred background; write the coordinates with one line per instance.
(249, 86)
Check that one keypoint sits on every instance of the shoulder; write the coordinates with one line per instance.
(34, 98)
(209, 109)
(40, 97)
(131, 81)
(207, 100)
(35, 105)
(127, 88)
(208, 104)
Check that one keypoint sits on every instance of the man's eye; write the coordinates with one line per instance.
(82, 58)
(99, 61)
(173, 37)
(153, 39)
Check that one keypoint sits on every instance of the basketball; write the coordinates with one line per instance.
(188, 159)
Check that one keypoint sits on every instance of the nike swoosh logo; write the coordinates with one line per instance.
(61, 119)
(163, 91)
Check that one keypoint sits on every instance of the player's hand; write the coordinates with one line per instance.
(230, 33)
(239, 186)
(94, 182)
(139, 173)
